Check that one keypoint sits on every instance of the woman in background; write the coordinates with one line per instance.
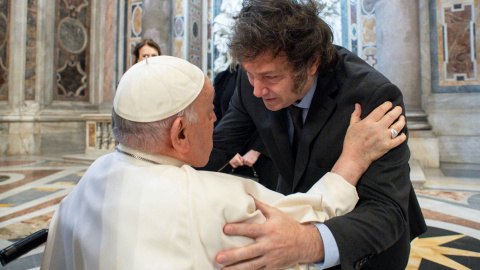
(146, 48)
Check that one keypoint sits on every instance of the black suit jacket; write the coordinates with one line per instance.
(377, 233)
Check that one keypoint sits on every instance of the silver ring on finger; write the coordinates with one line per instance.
(394, 133)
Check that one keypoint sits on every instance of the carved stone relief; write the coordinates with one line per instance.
(72, 50)
(31, 53)
(4, 30)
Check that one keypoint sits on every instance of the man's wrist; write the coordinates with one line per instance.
(313, 248)
(350, 169)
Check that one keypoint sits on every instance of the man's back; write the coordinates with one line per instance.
(113, 220)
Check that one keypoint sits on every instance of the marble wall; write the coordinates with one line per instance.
(455, 46)
(157, 23)
(448, 92)
(72, 43)
(179, 36)
(30, 74)
(450, 88)
(192, 33)
(54, 67)
(111, 68)
(4, 46)
(62, 59)
(358, 29)
(133, 29)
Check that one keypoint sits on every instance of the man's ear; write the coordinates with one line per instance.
(178, 135)
(312, 70)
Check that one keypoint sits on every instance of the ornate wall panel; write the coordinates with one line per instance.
(179, 29)
(358, 29)
(455, 46)
(4, 34)
(133, 34)
(195, 32)
(192, 32)
(72, 50)
(209, 45)
(30, 65)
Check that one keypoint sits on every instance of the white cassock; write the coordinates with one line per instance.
(126, 213)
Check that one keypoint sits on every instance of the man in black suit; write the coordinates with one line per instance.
(252, 160)
(292, 68)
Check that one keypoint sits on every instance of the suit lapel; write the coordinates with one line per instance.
(321, 108)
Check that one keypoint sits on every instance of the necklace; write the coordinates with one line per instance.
(136, 157)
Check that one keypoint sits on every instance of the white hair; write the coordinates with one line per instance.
(149, 135)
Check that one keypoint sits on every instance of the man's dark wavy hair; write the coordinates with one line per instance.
(290, 26)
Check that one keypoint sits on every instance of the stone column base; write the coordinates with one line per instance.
(416, 174)
(424, 148)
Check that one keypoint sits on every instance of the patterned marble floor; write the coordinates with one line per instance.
(31, 188)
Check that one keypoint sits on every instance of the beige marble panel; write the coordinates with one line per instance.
(425, 151)
(460, 149)
(23, 144)
(456, 123)
(109, 51)
(61, 127)
(71, 142)
(24, 128)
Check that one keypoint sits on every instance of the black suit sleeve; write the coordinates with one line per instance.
(231, 134)
(380, 218)
(256, 143)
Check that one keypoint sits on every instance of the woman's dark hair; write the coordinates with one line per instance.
(290, 26)
(149, 42)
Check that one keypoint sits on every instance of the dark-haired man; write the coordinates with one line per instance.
(297, 91)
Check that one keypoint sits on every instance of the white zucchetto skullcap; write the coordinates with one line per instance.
(157, 88)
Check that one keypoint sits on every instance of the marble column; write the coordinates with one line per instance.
(398, 54)
(18, 42)
(156, 23)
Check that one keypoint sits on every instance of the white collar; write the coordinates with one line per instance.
(147, 157)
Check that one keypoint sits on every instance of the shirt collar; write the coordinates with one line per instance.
(307, 99)
(161, 159)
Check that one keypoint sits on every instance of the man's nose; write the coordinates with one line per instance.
(259, 89)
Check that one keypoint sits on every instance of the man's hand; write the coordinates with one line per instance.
(236, 161)
(280, 242)
(369, 139)
(250, 157)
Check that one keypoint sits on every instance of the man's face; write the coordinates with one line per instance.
(273, 80)
(146, 51)
(202, 142)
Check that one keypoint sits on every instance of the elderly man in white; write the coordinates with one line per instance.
(145, 207)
